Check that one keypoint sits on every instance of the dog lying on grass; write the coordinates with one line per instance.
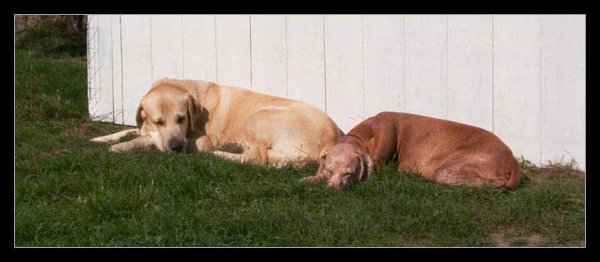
(188, 115)
(440, 150)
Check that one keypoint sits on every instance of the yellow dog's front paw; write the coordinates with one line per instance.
(117, 148)
(101, 139)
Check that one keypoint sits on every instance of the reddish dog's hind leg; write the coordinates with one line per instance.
(457, 174)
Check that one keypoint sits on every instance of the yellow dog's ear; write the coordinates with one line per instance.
(194, 112)
(140, 115)
(367, 167)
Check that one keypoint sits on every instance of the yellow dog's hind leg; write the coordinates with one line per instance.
(280, 159)
(254, 152)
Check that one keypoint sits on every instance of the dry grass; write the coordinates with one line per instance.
(552, 171)
(511, 236)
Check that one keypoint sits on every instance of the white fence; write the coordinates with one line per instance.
(519, 76)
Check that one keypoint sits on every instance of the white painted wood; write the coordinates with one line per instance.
(470, 70)
(306, 59)
(105, 110)
(427, 65)
(384, 64)
(137, 63)
(101, 97)
(344, 69)
(199, 49)
(167, 46)
(100, 112)
(117, 79)
(517, 83)
(563, 88)
(233, 50)
(92, 52)
(269, 59)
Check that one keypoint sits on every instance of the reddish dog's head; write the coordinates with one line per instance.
(345, 165)
(167, 113)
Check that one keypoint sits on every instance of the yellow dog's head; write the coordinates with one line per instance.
(168, 113)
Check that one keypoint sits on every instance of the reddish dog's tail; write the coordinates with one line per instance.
(515, 177)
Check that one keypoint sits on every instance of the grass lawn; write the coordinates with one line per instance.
(72, 192)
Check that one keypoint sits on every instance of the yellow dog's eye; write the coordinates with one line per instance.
(180, 119)
(159, 122)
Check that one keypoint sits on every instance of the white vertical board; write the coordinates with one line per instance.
(117, 84)
(563, 88)
(199, 48)
(92, 69)
(233, 50)
(269, 59)
(105, 111)
(384, 64)
(99, 114)
(306, 59)
(167, 46)
(344, 53)
(517, 83)
(137, 63)
(427, 65)
(470, 70)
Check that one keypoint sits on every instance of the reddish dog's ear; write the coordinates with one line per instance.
(194, 112)
(321, 170)
(367, 167)
(140, 115)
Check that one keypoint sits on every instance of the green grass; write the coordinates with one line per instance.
(53, 39)
(72, 192)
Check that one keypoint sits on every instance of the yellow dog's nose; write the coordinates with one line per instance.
(175, 145)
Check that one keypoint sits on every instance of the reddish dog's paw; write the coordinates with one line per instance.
(313, 179)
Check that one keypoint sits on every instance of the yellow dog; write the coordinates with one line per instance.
(190, 115)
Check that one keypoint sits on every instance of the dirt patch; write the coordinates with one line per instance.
(498, 239)
(510, 237)
(552, 171)
(577, 243)
(536, 239)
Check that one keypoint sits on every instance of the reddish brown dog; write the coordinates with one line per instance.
(440, 150)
